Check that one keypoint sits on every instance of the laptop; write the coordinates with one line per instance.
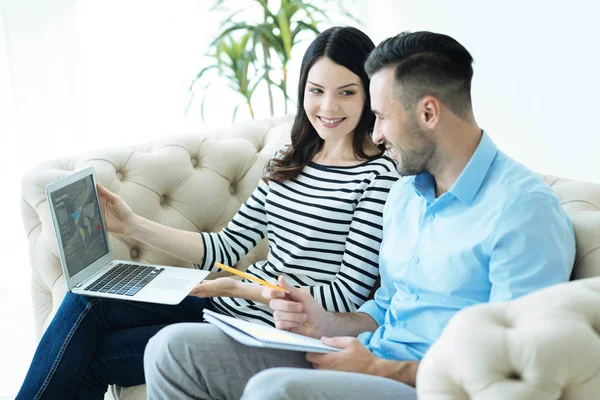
(86, 258)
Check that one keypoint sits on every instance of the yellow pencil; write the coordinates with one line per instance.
(249, 277)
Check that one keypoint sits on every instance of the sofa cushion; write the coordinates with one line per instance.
(543, 346)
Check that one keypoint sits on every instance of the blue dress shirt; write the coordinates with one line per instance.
(497, 234)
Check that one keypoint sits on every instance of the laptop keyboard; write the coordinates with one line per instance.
(125, 279)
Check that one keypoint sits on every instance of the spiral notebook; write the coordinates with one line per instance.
(256, 335)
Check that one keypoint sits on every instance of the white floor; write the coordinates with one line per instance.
(17, 339)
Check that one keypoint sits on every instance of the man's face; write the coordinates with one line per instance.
(398, 128)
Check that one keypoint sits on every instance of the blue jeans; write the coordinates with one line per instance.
(94, 342)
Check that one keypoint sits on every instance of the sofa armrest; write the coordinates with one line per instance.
(543, 346)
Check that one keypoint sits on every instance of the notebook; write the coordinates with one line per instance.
(86, 257)
(256, 335)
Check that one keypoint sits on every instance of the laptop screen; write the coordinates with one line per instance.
(81, 231)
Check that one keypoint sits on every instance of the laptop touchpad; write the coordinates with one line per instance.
(170, 283)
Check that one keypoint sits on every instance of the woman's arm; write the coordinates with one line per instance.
(182, 244)
(248, 291)
(247, 228)
(360, 261)
(243, 233)
(120, 219)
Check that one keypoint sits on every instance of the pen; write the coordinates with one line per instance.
(249, 277)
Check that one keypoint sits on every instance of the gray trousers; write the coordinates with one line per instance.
(199, 361)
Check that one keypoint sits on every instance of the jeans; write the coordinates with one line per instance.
(94, 342)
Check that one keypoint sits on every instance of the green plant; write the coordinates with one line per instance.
(233, 61)
(247, 54)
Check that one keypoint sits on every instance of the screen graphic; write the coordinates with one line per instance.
(81, 233)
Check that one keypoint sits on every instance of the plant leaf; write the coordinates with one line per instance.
(235, 111)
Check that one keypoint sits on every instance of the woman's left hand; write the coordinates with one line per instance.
(215, 288)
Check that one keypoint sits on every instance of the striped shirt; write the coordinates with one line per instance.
(324, 231)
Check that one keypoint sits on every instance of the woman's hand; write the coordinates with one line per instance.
(117, 214)
(220, 287)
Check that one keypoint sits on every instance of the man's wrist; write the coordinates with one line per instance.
(349, 324)
(328, 325)
(402, 371)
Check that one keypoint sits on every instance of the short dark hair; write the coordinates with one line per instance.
(427, 63)
(348, 47)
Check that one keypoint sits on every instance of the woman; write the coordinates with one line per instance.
(320, 205)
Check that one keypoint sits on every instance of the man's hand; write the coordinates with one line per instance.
(353, 358)
(297, 311)
(357, 358)
(215, 288)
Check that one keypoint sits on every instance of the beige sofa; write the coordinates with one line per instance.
(198, 181)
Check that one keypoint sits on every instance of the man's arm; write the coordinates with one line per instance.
(533, 246)
(350, 324)
(402, 371)
(355, 357)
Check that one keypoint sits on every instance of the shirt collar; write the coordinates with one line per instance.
(470, 179)
(424, 186)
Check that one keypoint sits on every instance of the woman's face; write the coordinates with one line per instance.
(333, 99)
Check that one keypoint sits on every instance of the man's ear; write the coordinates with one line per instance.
(429, 109)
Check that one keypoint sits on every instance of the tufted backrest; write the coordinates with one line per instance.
(195, 182)
(543, 346)
(581, 201)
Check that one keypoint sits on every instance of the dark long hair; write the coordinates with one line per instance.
(348, 47)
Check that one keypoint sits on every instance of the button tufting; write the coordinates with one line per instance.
(120, 175)
(194, 162)
(134, 253)
(163, 198)
(231, 189)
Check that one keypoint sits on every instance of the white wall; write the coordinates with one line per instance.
(537, 72)
(77, 75)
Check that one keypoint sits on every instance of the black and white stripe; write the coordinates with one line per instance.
(324, 229)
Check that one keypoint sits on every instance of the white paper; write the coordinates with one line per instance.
(252, 334)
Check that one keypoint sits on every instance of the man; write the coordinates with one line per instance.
(466, 225)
